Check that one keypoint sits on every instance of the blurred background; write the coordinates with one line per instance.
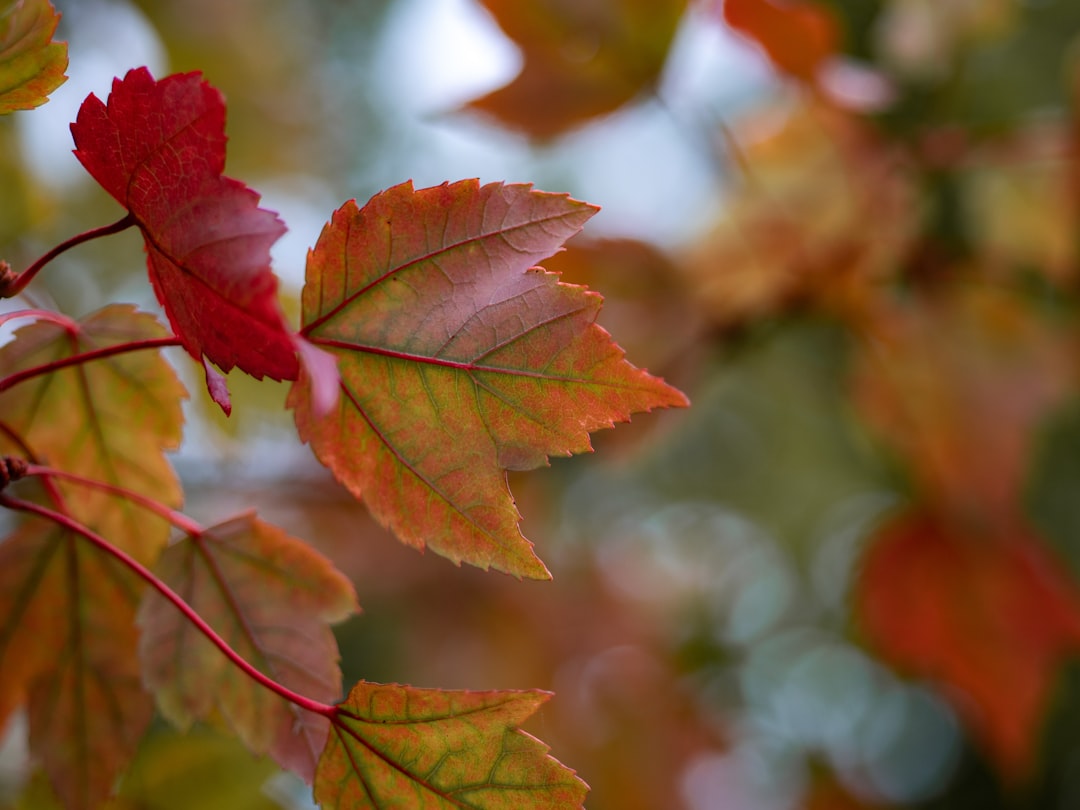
(847, 229)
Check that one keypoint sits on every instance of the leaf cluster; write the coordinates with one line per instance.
(433, 355)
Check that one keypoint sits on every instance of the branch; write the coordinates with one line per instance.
(85, 357)
(11, 284)
(177, 519)
(189, 613)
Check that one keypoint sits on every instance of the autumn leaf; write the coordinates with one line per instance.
(158, 147)
(398, 746)
(272, 598)
(582, 60)
(68, 647)
(956, 384)
(797, 35)
(31, 64)
(111, 419)
(826, 214)
(991, 616)
(458, 362)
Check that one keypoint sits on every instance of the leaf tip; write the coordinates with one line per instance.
(217, 386)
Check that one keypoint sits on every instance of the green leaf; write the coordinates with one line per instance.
(272, 598)
(31, 64)
(459, 360)
(398, 746)
(68, 647)
(179, 772)
(110, 419)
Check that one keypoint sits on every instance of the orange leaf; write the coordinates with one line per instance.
(458, 362)
(582, 60)
(827, 213)
(990, 616)
(68, 647)
(31, 64)
(957, 385)
(272, 598)
(797, 35)
(398, 746)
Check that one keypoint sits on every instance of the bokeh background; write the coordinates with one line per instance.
(844, 578)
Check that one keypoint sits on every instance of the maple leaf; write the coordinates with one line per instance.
(272, 598)
(68, 646)
(991, 616)
(399, 746)
(797, 35)
(581, 59)
(158, 147)
(458, 361)
(110, 419)
(31, 64)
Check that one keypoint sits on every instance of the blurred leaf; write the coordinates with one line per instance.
(68, 647)
(583, 58)
(111, 419)
(196, 770)
(31, 64)
(180, 772)
(272, 598)
(987, 614)
(399, 746)
(1021, 204)
(957, 384)
(825, 214)
(459, 361)
(798, 35)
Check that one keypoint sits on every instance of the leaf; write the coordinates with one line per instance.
(582, 60)
(827, 214)
(68, 647)
(272, 598)
(111, 419)
(179, 772)
(31, 64)
(398, 746)
(989, 615)
(159, 149)
(797, 35)
(457, 361)
(957, 384)
(196, 770)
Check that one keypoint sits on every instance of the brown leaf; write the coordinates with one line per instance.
(272, 598)
(583, 59)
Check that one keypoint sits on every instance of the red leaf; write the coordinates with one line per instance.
(797, 35)
(158, 147)
(399, 746)
(990, 616)
(458, 361)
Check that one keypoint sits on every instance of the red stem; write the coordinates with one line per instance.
(177, 519)
(85, 357)
(16, 283)
(189, 612)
